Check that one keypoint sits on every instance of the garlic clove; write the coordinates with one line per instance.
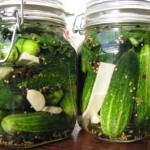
(27, 59)
(4, 71)
(95, 119)
(53, 109)
(36, 99)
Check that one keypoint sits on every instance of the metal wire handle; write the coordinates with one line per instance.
(19, 22)
(79, 28)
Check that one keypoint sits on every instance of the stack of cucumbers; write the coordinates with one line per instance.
(127, 102)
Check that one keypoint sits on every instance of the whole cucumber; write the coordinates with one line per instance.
(142, 105)
(117, 107)
(68, 103)
(36, 122)
(87, 90)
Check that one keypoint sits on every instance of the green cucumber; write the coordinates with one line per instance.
(3, 113)
(55, 97)
(19, 44)
(118, 103)
(68, 103)
(142, 105)
(13, 55)
(90, 52)
(31, 47)
(87, 90)
(36, 122)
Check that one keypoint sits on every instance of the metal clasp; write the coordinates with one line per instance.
(17, 26)
(78, 24)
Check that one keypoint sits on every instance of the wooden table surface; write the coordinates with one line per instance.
(84, 141)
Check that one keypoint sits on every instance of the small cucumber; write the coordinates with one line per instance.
(31, 47)
(68, 103)
(117, 107)
(19, 44)
(3, 113)
(142, 105)
(36, 122)
(87, 90)
(55, 97)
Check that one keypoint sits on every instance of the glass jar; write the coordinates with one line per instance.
(38, 74)
(114, 70)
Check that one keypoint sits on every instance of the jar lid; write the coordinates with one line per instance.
(45, 10)
(100, 12)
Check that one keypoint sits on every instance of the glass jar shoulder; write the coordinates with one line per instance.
(108, 43)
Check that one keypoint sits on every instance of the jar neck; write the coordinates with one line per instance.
(45, 26)
(117, 25)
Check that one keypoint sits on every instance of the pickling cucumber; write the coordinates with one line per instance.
(118, 103)
(55, 97)
(36, 122)
(68, 103)
(3, 113)
(142, 105)
(87, 90)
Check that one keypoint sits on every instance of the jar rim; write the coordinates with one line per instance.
(99, 12)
